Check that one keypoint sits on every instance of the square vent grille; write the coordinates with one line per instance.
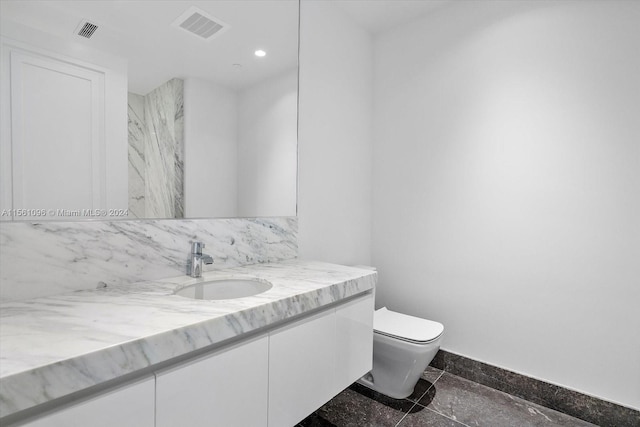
(200, 24)
(86, 29)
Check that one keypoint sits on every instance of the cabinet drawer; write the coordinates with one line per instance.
(226, 388)
(354, 338)
(301, 368)
(130, 405)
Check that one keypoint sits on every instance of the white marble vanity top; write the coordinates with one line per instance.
(53, 346)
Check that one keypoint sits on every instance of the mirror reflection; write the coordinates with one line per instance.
(139, 109)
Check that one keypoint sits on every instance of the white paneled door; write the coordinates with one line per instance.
(57, 129)
(63, 142)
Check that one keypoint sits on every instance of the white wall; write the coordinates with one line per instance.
(334, 145)
(210, 134)
(267, 147)
(507, 185)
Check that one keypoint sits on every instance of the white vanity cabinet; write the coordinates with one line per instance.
(130, 405)
(274, 379)
(225, 388)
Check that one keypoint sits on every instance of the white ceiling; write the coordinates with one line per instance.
(141, 31)
(377, 16)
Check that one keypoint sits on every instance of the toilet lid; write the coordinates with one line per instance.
(406, 327)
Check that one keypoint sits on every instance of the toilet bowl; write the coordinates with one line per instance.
(403, 347)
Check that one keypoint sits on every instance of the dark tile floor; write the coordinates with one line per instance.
(440, 399)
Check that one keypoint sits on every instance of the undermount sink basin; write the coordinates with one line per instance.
(224, 289)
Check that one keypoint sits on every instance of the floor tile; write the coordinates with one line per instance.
(421, 388)
(548, 395)
(428, 418)
(443, 400)
(431, 374)
(353, 409)
(425, 383)
(402, 405)
(477, 405)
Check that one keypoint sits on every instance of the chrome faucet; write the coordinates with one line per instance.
(196, 258)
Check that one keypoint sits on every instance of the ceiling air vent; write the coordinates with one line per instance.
(199, 23)
(86, 29)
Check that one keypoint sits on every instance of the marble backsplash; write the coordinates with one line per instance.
(49, 258)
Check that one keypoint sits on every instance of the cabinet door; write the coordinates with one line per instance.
(354, 337)
(131, 405)
(301, 368)
(226, 388)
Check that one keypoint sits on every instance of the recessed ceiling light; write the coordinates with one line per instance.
(260, 53)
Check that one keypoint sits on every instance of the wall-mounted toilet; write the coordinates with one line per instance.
(403, 347)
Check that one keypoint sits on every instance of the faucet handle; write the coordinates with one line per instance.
(196, 248)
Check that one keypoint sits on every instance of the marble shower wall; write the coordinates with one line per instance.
(164, 155)
(39, 259)
(138, 138)
(156, 152)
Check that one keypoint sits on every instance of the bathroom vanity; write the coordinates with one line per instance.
(139, 355)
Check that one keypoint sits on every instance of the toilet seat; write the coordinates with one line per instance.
(405, 327)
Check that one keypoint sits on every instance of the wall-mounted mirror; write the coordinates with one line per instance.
(148, 109)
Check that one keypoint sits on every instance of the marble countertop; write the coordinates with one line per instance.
(57, 345)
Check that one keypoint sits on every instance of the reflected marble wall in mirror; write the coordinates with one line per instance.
(164, 111)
